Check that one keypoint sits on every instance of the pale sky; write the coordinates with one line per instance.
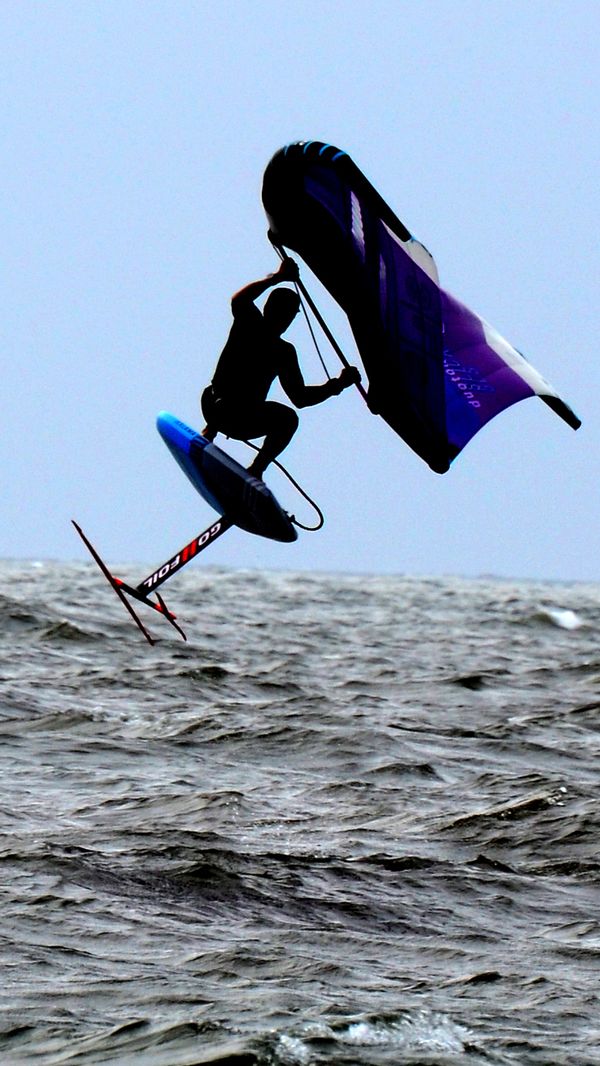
(135, 139)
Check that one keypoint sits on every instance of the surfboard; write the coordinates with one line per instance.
(224, 483)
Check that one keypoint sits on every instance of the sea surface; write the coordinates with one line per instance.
(354, 820)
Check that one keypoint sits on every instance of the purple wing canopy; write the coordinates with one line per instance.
(437, 372)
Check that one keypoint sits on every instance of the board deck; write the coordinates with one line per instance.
(224, 483)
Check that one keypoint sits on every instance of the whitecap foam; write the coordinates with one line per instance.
(291, 1051)
(563, 617)
(423, 1031)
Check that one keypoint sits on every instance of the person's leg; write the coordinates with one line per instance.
(207, 404)
(273, 421)
(279, 423)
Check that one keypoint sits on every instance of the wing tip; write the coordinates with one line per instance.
(563, 410)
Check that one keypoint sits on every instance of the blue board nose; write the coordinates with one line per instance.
(224, 483)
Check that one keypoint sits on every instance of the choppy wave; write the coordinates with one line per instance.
(353, 820)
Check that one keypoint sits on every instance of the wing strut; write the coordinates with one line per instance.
(162, 573)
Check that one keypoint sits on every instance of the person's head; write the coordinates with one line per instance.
(280, 310)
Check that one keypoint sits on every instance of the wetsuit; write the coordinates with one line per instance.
(236, 404)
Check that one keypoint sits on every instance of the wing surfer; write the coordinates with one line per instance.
(235, 403)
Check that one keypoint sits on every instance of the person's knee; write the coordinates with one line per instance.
(283, 423)
(284, 426)
(290, 420)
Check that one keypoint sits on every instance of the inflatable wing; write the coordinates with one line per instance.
(437, 371)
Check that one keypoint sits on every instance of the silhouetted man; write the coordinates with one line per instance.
(235, 403)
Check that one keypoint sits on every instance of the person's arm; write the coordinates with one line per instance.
(303, 395)
(288, 271)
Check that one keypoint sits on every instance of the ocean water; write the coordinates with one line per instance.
(354, 820)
